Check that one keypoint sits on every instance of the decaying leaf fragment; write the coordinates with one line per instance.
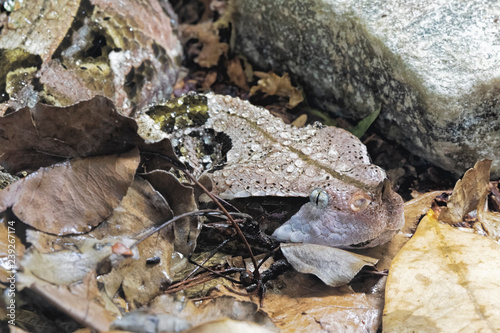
(73, 196)
(272, 84)
(440, 275)
(335, 267)
(211, 50)
(467, 193)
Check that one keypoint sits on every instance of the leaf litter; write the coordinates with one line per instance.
(444, 273)
(58, 260)
(293, 301)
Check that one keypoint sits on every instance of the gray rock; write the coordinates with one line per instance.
(433, 65)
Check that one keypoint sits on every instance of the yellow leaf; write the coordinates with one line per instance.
(444, 280)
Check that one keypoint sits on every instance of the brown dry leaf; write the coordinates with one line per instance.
(335, 267)
(301, 303)
(442, 275)
(74, 196)
(489, 220)
(209, 80)
(53, 134)
(237, 74)
(229, 326)
(11, 248)
(414, 210)
(297, 302)
(272, 84)
(300, 121)
(212, 48)
(81, 301)
(141, 209)
(467, 193)
(43, 135)
(218, 308)
(65, 260)
(182, 200)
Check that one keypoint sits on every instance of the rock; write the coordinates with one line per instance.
(63, 52)
(433, 66)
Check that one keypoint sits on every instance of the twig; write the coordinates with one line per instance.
(175, 218)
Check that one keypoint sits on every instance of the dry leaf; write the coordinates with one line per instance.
(445, 280)
(467, 193)
(218, 308)
(302, 303)
(300, 121)
(142, 321)
(81, 301)
(140, 278)
(210, 79)
(414, 210)
(212, 49)
(120, 248)
(272, 84)
(74, 196)
(335, 267)
(182, 200)
(229, 326)
(43, 135)
(237, 74)
(489, 220)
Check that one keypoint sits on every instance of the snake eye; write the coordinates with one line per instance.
(360, 201)
(319, 197)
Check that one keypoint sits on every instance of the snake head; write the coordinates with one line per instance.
(346, 218)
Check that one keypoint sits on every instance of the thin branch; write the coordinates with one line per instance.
(174, 219)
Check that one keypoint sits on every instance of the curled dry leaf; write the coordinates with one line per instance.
(237, 74)
(467, 193)
(272, 84)
(335, 267)
(74, 196)
(44, 135)
(182, 200)
(440, 275)
(212, 49)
